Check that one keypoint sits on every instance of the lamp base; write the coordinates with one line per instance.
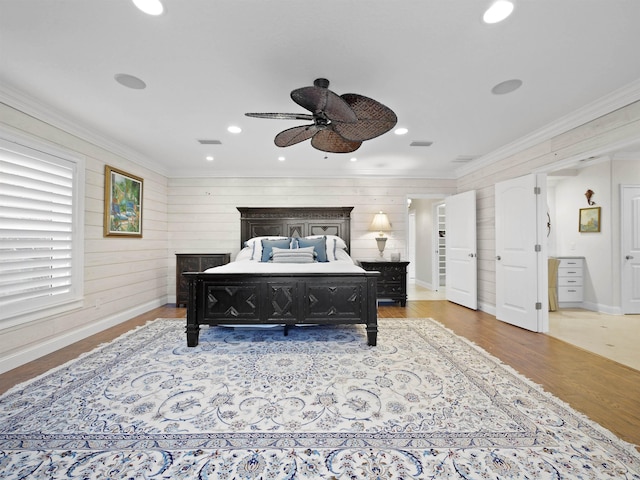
(381, 244)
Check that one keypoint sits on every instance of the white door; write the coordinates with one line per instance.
(461, 255)
(522, 297)
(630, 226)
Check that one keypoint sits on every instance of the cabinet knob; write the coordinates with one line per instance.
(629, 257)
(472, 255)
(498, 257)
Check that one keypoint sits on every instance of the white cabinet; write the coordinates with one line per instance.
(571, 280)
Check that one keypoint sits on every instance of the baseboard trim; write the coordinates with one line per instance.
(33, 352)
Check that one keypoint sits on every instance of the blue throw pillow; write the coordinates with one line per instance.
(318, 244)
(267, 245)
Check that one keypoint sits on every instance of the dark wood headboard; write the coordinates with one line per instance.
(295, 222)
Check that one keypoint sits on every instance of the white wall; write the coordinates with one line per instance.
(203, 216)
(594, 247)
(122, 276)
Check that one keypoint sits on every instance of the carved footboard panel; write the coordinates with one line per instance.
(282, 299)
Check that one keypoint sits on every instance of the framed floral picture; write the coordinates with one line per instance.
(122, 203)
(589, 220)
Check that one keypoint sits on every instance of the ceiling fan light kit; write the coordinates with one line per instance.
(340, 122)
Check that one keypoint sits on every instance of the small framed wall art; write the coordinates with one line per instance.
(122, 203)
(589, 220)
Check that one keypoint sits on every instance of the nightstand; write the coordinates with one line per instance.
(392, 282)
(194, 262)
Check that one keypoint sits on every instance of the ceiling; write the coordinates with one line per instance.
(207, 62)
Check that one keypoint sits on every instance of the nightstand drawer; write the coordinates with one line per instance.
(390, 289)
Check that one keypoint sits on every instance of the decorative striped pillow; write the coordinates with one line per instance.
(298, 255)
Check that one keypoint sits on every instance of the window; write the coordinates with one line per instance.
(41, 230)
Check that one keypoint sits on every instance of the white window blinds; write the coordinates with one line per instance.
(37, 230)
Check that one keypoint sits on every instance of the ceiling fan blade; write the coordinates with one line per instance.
(324, 103)
(374, 119)
(329, 141)
(282, 116)
(294, 135)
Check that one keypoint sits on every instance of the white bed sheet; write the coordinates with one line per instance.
(345, 264)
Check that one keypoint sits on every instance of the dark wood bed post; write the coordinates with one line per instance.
(193, 328)
(372, 312)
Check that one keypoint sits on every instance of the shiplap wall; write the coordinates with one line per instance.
(203, 217)
(122, 276)
(598, 134)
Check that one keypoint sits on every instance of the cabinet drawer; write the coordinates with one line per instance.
(570, 294)
(569, 281)
(569, 272)
(570, 263)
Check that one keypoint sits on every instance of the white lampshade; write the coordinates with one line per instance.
(380, 223)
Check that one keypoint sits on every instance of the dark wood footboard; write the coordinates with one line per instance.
(281, 299)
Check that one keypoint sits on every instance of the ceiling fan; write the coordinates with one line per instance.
(340, 122)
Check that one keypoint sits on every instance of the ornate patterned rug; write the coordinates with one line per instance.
(319, 403)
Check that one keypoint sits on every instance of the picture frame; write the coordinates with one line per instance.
(123, 195)
(589, 220)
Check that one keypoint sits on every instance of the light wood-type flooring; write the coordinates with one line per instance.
(604, 390)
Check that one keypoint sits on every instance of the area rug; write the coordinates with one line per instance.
(318, 403)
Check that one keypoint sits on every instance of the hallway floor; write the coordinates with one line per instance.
(616, 337)
(613, 336)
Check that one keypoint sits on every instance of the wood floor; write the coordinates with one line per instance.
(606, 391)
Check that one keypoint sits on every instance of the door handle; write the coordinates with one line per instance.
(629, 257)
(498, 257)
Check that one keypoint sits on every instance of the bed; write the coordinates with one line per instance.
(277, 292)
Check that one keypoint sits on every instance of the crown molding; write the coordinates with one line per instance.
(45, 113)
(617, 99)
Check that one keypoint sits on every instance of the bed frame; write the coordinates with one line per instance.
(285, 299)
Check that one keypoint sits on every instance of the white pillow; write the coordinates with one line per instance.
(255, 244)
(334, 245)
(244, 254)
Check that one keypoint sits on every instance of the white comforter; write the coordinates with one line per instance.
(344, 264)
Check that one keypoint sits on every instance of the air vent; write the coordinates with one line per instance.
(464, 159)
(210, 142)
(421, 144)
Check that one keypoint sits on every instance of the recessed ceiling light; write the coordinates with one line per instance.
(353, 159)
(129, 81)
(507, 86)
(498, 11)
(234, 129)
(282, 159)
(209, 158)
(150, 7)
(401, 131)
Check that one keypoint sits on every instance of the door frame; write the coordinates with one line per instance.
(428, 196)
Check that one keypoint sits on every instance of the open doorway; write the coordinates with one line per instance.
(422, 247)
(595, 321)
